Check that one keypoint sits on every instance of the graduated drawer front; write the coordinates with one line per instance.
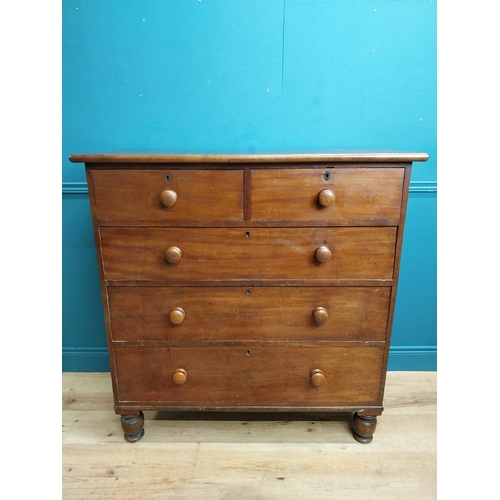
(258, 253)
(360, 194)
(133, 197)
(247, 376)
(242, 313)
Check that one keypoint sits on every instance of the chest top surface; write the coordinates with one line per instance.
(326, 155)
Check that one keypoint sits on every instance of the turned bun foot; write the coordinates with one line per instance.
(133, 427)
(363, 428)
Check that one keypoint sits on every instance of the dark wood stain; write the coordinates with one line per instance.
(249, 282)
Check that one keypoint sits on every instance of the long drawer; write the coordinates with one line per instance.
(160, 196)
(327, 195)
(257, 253)
(190, 314)
(249, 376)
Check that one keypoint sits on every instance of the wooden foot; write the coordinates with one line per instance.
(133, 427)
(363, 428)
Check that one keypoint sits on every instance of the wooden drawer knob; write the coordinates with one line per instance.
(168, 198)
(322, 253)
(173, 254)
(177, 315)
(179, 377)
(317, 377)
(326, 197)
(320, 315)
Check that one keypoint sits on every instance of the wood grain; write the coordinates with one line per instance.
(292, 456)
(260, 253)
(241, 313)
(233, 376)
(360, 194)
(293, 228)
(125, 196)
(337, 155)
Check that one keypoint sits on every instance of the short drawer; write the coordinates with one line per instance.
(249, 376)
(335, 195)
(136, 197)
(253, 254)
(190, 314)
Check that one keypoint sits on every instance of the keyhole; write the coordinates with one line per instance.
(167, 178)
(247, 234)
(248, 353)
(248, 292)
(327, 176)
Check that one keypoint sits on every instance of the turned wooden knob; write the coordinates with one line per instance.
(179, 377)
(168, 198)
(317, 377)
(326, 197)
(322, 253)
(320, 315)
(173, 254)
(177, 315)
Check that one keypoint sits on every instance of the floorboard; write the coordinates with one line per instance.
(250, 455)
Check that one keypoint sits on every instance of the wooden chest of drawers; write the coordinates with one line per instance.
(249, 282)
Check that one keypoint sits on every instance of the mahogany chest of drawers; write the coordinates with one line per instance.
(249, 282)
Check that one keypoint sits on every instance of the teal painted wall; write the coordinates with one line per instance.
(249, 75)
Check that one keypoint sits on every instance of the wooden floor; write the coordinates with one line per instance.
(249, 456)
